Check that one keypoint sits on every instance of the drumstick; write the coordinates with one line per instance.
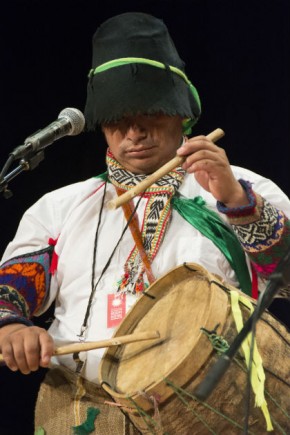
(116, 341)
(169, 166)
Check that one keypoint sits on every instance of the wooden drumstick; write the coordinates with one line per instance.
(165, 169)
(117, 341)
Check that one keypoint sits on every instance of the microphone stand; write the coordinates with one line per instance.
(278, 279)
(27, 163)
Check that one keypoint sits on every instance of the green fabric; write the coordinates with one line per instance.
(103, 176)
(89, 425)
(211, 225)
(208, 222)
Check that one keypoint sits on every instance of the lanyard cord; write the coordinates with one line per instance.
(93, 284)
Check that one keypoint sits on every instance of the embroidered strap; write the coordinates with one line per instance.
(211, 225)
(134, 228)
(156, 218)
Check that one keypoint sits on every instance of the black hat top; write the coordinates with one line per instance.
(136, 69)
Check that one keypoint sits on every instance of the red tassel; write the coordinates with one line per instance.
(255, 290)
(54, 259)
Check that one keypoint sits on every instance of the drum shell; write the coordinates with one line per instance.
(121, 368)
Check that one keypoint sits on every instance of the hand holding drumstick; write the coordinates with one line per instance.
(27, 364)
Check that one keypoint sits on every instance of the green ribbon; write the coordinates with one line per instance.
(208, 222)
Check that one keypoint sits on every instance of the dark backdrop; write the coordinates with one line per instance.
(237, 55)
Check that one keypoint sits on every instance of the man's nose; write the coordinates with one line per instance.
(136, 131)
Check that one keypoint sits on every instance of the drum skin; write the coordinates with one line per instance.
(178, 305)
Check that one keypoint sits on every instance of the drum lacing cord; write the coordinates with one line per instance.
(153, 423)
(217, 341)
(180, 392)
(221, 345)
(283, 411)
(148, 420)
(155, 428)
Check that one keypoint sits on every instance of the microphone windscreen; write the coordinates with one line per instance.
(76, 119)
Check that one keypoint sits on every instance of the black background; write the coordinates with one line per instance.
(237, 54)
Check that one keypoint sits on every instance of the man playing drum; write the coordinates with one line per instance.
(94, 262)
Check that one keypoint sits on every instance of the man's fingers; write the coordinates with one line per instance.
(14, 356)
(196, 144)
(47, 348)
(8, 355)
(27, 349)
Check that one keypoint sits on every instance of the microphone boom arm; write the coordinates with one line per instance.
(30, 162)
(70, 122)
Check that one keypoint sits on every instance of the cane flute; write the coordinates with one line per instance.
(116, 341)
(165, 169)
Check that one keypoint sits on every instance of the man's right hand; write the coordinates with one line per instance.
(25, 348)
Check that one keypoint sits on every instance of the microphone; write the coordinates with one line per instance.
(70, 122)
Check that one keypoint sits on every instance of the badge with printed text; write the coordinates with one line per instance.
(116, 310)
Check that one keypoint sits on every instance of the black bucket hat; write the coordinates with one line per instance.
(136, 70)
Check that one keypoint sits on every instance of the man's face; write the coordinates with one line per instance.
(144, 143)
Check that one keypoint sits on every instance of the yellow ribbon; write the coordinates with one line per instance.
(257, 374)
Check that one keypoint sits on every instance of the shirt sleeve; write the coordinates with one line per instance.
(28, 282)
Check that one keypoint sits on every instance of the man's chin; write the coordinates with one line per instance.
(142, 167)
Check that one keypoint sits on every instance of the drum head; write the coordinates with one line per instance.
(177, 305)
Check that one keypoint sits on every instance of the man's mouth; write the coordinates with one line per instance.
(140, 151)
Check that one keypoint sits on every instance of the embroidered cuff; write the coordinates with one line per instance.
(267, 240)
(13, 308)
(244, 210)
(9, 318)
